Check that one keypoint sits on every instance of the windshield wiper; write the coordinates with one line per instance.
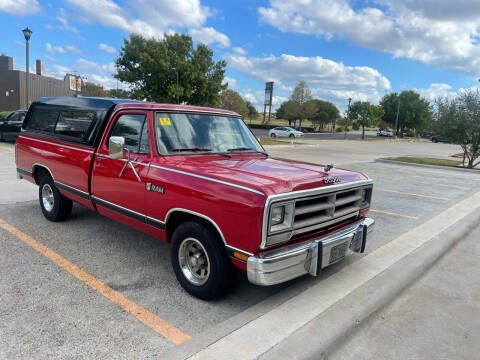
(247, 148)
(191, 149)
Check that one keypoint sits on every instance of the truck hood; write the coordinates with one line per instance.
(265, 174)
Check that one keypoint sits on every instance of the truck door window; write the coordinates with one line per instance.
(133, 127)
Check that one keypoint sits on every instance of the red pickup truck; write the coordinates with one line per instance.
(198, 178)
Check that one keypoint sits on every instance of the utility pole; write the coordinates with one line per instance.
(27, 33)
(348, 116)
(396, 118)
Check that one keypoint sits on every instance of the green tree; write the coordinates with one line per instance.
(231, 100)
(293, 112)
(252, 111)
(296, 107)
(150, 67)
(414, 112)
(91, 89)
(325, 112)
(120, 94)
(365, 114)
(301, 94)
(458, 120)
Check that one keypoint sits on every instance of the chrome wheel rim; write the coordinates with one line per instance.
(194, 262)
(47, 197)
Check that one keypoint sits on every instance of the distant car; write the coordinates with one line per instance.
(285, 132)
(439, 138)
(384, 132)
(11, 125)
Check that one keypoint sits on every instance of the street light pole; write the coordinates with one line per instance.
(396, 118)
(27, 33)
(348, 115)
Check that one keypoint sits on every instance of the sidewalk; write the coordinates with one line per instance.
(438, 317)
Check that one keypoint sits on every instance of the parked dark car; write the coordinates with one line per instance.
(439, 138)
(11, 125)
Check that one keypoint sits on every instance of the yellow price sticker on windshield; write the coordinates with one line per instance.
(165, 121)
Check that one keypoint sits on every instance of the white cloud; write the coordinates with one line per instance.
(209, 35)
(327, 79)
(109, 13)
(63, 49)
(90, 67)
(166, 13)
(239, 51)
(440, 33)
(435, 91)
(20, 7)
(150, 18)
(107, 48)
(66, 24)
(20, 43)
(55, 49)
(232, 83)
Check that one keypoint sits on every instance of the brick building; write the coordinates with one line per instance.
(13, 83)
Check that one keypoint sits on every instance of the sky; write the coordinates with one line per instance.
(341, 48)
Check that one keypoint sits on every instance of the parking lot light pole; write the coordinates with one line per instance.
(27, 33)
(396, 118)
(348, 115)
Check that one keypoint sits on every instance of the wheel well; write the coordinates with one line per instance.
(39, 172)
(178, 217)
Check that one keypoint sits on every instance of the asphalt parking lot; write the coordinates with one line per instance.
(47, 312)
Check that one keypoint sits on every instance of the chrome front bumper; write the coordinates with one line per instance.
(309, 257)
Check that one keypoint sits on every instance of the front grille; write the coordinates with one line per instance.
(321, 211)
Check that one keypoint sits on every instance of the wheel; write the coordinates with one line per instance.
(273, 135)
(291, 136)
(434, 140)
(199, 260)
(55, 206)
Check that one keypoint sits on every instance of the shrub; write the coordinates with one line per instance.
(355, 126)
(339, 129)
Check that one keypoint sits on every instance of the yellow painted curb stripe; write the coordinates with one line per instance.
(160, 326)
(413, 194)
(394, 214)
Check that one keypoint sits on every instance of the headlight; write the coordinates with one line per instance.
(277, 215)
(280, 223)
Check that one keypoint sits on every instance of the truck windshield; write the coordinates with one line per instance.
(200, 133)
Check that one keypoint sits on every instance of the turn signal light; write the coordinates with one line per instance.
(240, 256)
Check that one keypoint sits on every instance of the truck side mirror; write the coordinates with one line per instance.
(116, 147)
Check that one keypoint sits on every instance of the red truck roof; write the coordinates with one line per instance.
(173, 107)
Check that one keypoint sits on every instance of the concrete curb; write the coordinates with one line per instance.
(324, 334)
(272, 331)
(382, 160)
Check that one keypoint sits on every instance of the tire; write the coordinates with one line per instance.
(213, 275)
(273, 135)
(55, 206)
(434, 140)
(291, 136)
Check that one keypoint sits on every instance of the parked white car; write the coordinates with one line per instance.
(384, 132)
(285, 132)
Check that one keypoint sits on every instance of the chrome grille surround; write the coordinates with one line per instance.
(317, 209)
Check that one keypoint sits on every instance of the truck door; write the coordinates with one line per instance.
(118, 185)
